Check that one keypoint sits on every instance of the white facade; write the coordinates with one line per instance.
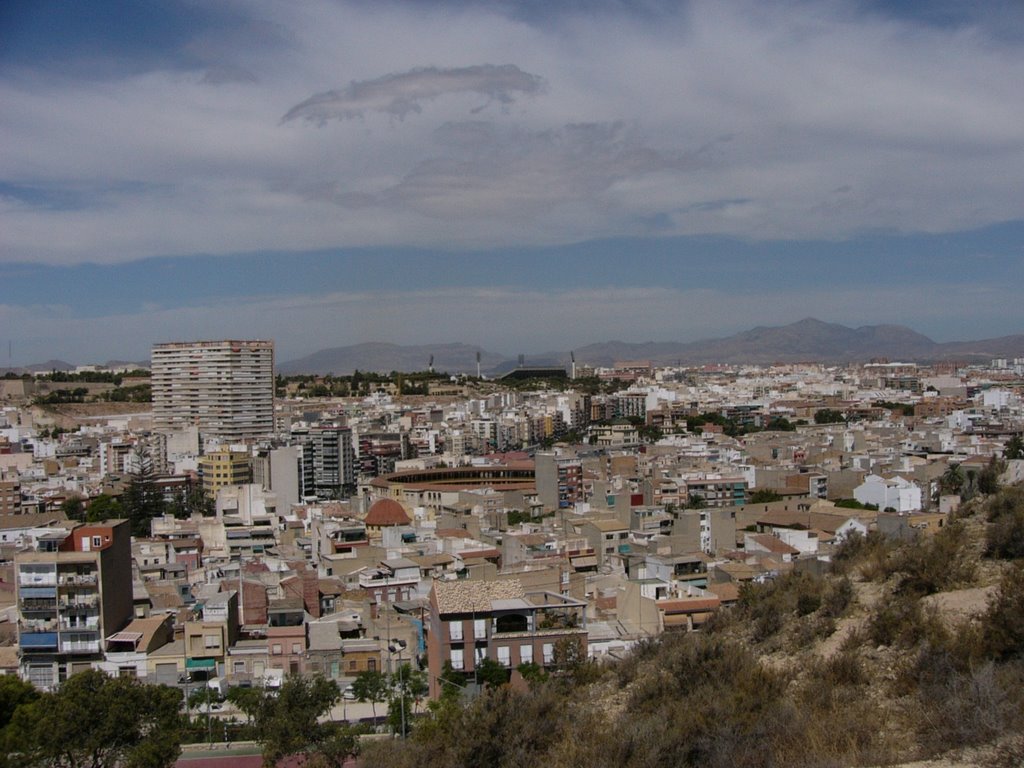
(895, 493)
(225, 388)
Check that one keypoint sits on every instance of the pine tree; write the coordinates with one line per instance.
(142, 500)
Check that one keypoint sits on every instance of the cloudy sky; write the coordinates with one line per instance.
(522, 175)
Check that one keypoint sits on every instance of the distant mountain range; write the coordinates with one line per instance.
(804, 341)
(807, 340)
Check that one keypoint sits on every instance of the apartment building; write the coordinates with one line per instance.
(74, 589)
(222, 469)
(499, 620)
(559, 480)
(225, 388)
(328, 461)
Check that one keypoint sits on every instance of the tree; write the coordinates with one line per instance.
(988, 478)
(103, 507)
(94, 721)
(491, 673)
(142, 500)
(1014, 448)
(696, 502)
(764, 496)
(408, 687)
(73, 508)
(14, 693)
(288, 724)
(828, 416)
(191, 500)
(952, 480)
(372, 686)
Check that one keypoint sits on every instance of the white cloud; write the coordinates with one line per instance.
(757, 120)
(403, 93)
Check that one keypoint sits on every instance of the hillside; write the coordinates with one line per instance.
(808, 340)
(901, 653)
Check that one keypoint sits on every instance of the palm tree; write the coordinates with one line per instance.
(952, 480)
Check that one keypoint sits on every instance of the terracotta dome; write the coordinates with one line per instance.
(386, 512)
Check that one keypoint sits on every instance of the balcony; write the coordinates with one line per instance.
(77, 580)
(79, 602)
(38, 641)
(37, 625)
(80, 646)
(37, 579)
(91, 624)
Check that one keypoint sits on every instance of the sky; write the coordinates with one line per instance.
(525, 176)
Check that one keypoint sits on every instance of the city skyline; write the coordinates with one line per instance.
(508, 175)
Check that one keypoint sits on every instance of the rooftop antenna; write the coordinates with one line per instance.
(430, 365)
(572, 357)
(478, 364)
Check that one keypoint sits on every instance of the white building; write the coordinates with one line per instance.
(889, 493)
(225, 388)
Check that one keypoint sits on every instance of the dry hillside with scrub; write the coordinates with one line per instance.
(899, 653)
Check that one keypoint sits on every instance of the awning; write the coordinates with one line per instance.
(38, 592)
(589, 561)
(200, 663)
(38, 640)
(125, 637)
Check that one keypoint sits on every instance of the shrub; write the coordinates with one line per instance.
(1004, 537)
(932, 564)
(838, 598)
(1003, 622)
(900, 621)
(964, 709)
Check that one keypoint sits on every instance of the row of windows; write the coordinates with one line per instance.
(458, 657)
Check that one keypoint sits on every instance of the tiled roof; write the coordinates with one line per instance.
(472, 596)
(386, 512)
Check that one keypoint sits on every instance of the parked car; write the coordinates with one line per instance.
(349, 693)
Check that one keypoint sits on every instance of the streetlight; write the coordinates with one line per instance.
(397, 647)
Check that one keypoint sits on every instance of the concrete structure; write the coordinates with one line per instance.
(499, 620)
(896, 493)
(225, 388)
(74, 589)
(559, 480)
(222, 469)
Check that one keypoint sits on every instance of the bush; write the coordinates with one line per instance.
(900, 621)
(869, 553)
(1003, 622)
(767, 605)
(838, 598)
(964, 709)
(1004, 537)
(936, 563)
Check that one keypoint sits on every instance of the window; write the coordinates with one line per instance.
(526, 654)
(211, 641)
(480, 629)
(127, 672)
(457, 659)
(371, 665)
(455, 630)
(353, 664)
(239, 667)
(549, 653)
(504, 656)
(276, 649)
(97, 541)
(296, 648)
